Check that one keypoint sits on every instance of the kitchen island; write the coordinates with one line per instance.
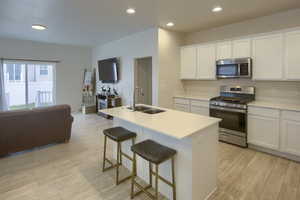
(194, 137)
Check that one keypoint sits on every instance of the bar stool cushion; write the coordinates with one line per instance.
(153, 151)
(119, 134)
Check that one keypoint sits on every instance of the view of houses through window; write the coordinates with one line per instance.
(29, 85)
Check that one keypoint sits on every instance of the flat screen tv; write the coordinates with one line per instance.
(108, 70)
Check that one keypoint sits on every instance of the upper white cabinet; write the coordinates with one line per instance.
(206, 61)
(224, 50)
(292, 56)
(268, 57)
(188, 62)
(241, 48)
(275, 57)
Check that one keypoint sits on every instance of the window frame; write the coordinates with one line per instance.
(26, 80)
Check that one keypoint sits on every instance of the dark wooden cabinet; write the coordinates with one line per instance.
(104, 102)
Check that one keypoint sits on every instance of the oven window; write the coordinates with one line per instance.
(230, 120)
(227, 70)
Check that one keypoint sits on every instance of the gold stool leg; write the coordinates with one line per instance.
(150, 173)
(104, 153)
(173, 179)
(133, 175)
(156, 182)
(118, 163)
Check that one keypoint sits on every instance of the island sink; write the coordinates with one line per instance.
(153, 111)
(147, 110)
(139, 108)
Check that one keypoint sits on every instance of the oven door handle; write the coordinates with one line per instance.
(227, 109)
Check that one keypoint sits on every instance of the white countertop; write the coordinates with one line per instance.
(274, 105)
(195, 97)
(173, 123)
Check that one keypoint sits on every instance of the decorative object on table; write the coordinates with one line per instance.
(115, 92)
(88, 92)
(104, 102)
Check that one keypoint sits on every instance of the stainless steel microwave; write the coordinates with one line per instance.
(234, 68)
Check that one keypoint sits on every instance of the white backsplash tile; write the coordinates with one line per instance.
(279, 91)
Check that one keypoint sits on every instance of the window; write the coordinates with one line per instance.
(43, 70)
(14, 71)
(29, 85)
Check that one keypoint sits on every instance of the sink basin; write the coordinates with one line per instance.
(147, 110)
(153, 111)
(140, 108)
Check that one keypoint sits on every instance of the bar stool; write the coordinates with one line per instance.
(154, 153)
(119, 135)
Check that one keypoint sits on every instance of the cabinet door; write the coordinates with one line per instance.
(188, 62)
(224, 50)
(200, 110)
(263, 131)
(182, 107)
(241, 48)
(206, 57)
(290, 140)
(292, 58)
(268, 57)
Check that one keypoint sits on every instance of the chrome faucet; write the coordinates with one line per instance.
(133, 101)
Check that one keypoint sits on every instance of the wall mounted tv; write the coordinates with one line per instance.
(108, 70)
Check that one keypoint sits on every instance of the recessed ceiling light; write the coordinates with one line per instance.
(38, 27)
(170, 24)
(217, 9)
(130, 11)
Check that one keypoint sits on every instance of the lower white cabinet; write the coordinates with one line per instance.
(201, 110)
(290, 132)
(263, 131)
(274, 129)
(182, 107)
(200, 107)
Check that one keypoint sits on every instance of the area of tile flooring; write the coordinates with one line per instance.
(72, 171)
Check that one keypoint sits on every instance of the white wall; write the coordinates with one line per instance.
(69, 72)
(169, 66)
(139, 45)
(288, 92)
(163, 46)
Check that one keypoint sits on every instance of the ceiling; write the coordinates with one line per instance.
(92, 22)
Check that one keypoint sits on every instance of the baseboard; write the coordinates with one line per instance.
(274, 152)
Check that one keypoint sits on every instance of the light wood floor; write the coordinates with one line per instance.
(72, 171)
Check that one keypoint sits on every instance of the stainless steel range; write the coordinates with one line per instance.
(231, 107)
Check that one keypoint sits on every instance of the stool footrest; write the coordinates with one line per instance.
(111, 165)
(162, 179)
(126, 156)
(142, 189)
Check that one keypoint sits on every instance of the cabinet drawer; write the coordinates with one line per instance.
(200, 110)
(200, 103)
(181, 101)
(181, 107)
(291, 115)
(266, 112)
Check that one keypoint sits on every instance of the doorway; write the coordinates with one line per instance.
(143, 80)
